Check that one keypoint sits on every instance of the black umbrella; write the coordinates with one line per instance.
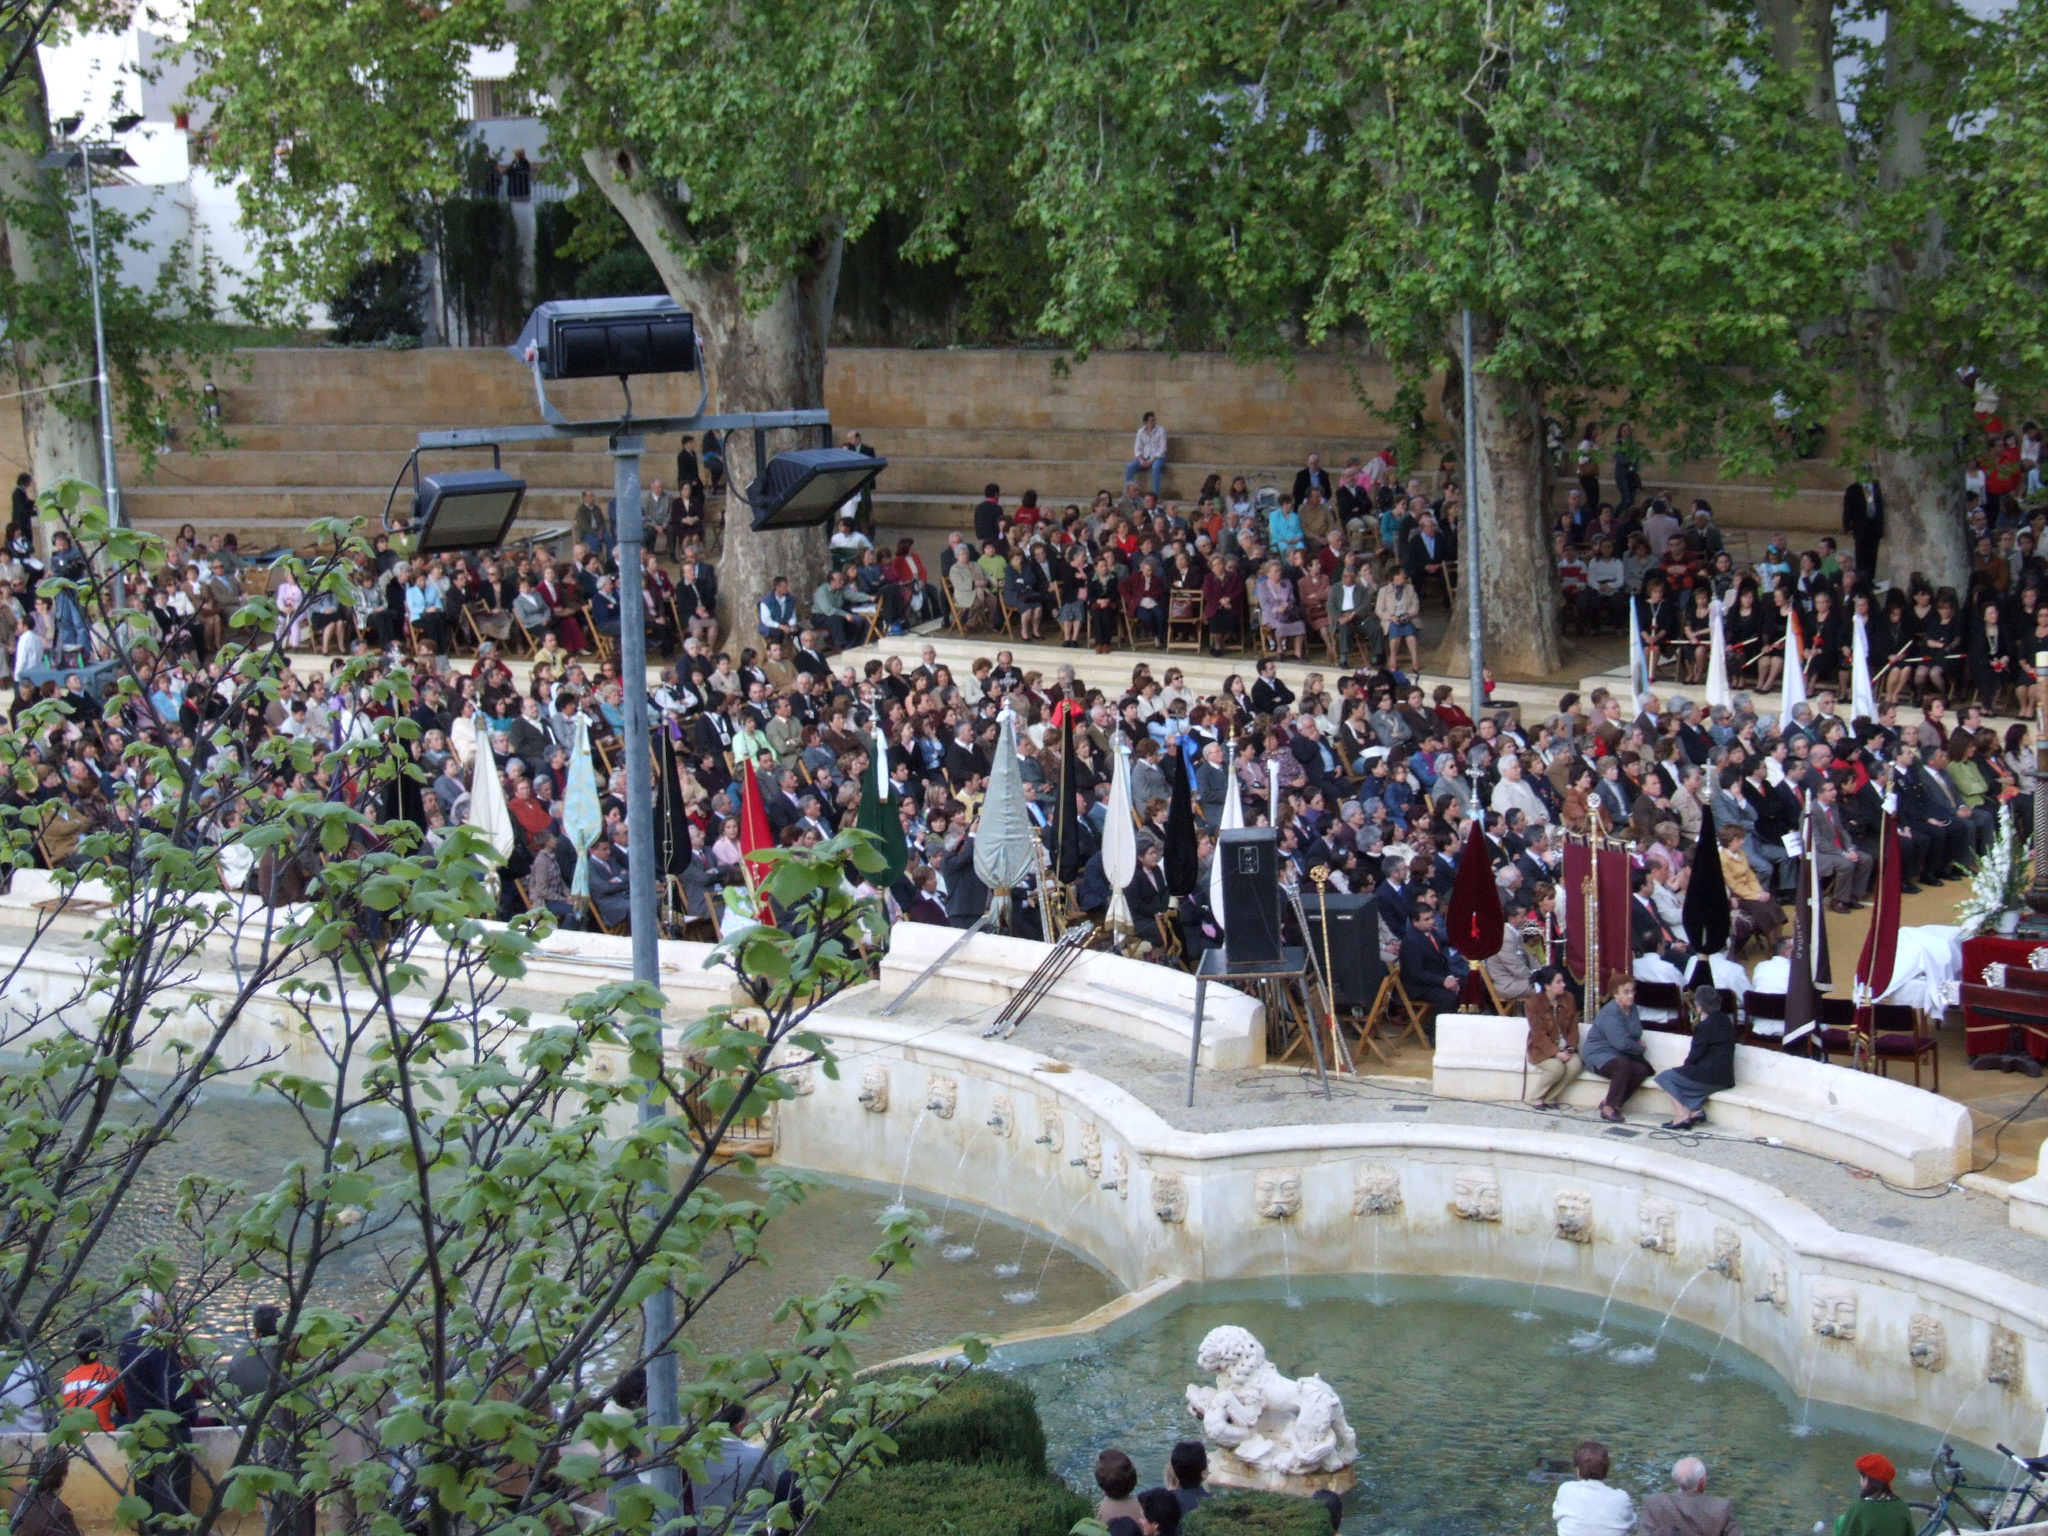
(1706, 897)
(1183, 857)
(671, 824)
(1068, 854)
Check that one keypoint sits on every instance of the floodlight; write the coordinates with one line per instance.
(608, 338)
(803, 488)
(67, 126)
(127, 122)
(465, 509)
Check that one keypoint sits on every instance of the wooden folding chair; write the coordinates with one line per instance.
(1502, 1009)
(1417, 1025)
(1184, 620)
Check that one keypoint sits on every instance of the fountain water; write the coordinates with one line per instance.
(1529, 1314)
(1593, 1340)
(1287, 1264)
(1643, 1354)
(903, 1178)
(1805, 1425)
(1727, 1317)
(1021, 1298)
(1379, 1298)
(1005, 1271)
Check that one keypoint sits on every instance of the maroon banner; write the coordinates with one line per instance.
(1617, 947)
(1575, 871)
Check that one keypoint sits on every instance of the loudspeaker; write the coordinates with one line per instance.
(1251, 895)
(1353, 956)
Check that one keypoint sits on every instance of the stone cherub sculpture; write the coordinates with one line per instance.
(1278, 1427)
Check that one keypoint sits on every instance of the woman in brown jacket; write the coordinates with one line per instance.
(1553, 1039)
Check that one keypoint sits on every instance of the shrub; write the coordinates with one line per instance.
(983, 1419)
(1257, 1514)
(927, 1498)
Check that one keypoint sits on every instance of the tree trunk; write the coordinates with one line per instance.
(1518, 597)
(1921, 532)
(1916, 462)
(57, 427)
(763, 356)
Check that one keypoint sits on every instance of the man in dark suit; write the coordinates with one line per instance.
(966, 896)
(1212, 783)
(1933, 814)
(1863, 521)
(965, 759)
(1317, 758)
(608, 885)
(1393, 901)
(1647, 930)
(988, 517)
(1268, 693)
(1431, 974)
(1312, 477)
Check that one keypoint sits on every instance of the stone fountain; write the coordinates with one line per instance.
(1265, 1430)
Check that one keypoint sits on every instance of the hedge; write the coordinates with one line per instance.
(931, 1498)
(1257, 1514)
(983, 1419)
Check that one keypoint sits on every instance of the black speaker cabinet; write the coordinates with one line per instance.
(1353, 956)
(1251, 895)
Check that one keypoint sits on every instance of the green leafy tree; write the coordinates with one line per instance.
(1585, 180)
(524, 1210)
(742, 145)
(1926, 115)
(162, 345)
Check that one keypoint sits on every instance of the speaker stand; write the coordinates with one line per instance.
(1285, 979)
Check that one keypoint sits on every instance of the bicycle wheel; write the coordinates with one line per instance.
(1930, 1521)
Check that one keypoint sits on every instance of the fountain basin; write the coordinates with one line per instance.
(1467, 1402)
(1837, 1312)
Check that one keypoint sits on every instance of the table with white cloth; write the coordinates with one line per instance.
(1929, 964)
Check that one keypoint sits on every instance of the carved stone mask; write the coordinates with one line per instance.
(1170, 1197)
(1276, 1192)
(874, 1090)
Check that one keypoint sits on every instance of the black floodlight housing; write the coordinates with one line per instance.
(608, 338)
(465, 509)
(127, 122)
(804, 487)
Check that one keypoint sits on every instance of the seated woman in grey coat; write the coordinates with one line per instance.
(1613, 1046)
(1709, 1065)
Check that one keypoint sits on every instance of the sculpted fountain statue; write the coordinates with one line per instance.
(1265, 1430)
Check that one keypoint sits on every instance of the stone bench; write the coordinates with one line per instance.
(1895, 1130)
(1146, 1003)
(2027, 1208)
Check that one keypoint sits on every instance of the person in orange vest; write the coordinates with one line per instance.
(92, 1383)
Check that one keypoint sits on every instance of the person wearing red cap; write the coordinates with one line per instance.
(1877, 1511)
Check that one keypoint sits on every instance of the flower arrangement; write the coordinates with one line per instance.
(2000, 884)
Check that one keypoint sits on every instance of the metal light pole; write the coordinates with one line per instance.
(658, 1312)
(87, 154)
(112, 485)
(627, 439)
(1473, 554)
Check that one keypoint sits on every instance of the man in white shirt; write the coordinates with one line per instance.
(1513, 793)
(1773, 976)
(1586, 1505)
(28, 653)
(1148, 452)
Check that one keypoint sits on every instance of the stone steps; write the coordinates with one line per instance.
(283, 470)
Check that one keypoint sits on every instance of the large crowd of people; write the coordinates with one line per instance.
(1370, 778)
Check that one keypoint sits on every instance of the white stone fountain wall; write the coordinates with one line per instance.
(1860, 1321)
